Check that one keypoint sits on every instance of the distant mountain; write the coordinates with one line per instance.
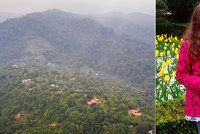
(80, 44)
(133, 25)
(142, 19)
(6, 15)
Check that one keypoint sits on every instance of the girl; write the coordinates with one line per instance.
(188, 68)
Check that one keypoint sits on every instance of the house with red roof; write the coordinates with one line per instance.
(93, 101)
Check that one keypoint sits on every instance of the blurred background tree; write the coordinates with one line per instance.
(181, 9)
(161, 8)
(172, 16)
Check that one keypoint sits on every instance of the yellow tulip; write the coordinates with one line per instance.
(166, 78)
(160, 38)
(174, 73)
(176, 51)
(164, 65)
(161, 54)
(173, 44)
(168, 62)
(168, 52)
(176, 38)
(162, 72)
(156, 42)
(157, 53)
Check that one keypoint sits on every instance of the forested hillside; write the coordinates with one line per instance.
(41, 100)
(76, 43)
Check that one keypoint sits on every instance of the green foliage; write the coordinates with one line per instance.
(164, 26)
(42, 104)
(177, 127)
(170, 118)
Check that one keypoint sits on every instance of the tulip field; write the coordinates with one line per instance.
(167, 54)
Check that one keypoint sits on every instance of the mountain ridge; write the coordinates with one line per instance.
(75, 43)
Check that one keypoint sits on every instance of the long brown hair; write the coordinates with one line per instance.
(193, 34)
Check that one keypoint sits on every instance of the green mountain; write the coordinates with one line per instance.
(76, 43)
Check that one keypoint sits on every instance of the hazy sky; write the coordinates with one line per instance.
(79, 6)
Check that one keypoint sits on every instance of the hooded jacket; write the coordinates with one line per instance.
(188, 74)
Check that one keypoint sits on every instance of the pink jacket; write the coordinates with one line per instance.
(188, 74)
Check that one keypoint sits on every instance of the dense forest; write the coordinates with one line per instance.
(41, 100)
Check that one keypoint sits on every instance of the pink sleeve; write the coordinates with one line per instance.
(183, 74)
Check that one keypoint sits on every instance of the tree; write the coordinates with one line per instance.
(161, 8)
(181, 9)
